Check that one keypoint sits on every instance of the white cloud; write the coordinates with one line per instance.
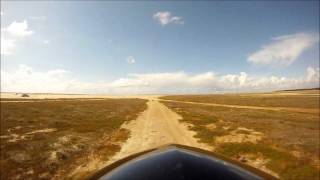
(181, 82)
(130, 60)
(46, 42)
(26, 79)
(19, 29)
(283, 50)
(166, 17)
(40, 18)
(7, 45)
(13, 34)
(2, 13)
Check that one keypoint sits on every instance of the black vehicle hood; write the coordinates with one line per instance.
(179, 163)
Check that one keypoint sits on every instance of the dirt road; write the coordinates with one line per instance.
(156, 126)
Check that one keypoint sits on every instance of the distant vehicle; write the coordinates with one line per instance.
(178, 162)
(25, 95)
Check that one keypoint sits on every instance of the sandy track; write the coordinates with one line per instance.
(302, 110)
(155, 127)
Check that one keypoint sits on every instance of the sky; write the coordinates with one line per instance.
(146, 47)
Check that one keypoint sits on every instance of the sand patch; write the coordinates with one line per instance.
(257, 161)
(47, 130)
(211, 126)
(156, 126)
(18, 137)
(240, 135)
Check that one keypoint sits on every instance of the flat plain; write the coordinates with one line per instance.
(59, 136)
(275, 132)
(43, 139)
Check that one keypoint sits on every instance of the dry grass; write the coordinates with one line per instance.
(45, 139)
(289, 143)
(49, 99)
(294, 99)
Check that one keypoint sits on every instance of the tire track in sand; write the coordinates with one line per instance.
(156, 126)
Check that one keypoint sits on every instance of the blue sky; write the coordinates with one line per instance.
(91, 44)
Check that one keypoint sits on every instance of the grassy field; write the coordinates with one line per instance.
(283, 143)
(45, 139)
(295, 99)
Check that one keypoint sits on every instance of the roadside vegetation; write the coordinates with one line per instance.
(292, 99)
(49, 139)
(48, 99)
(282, 143)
